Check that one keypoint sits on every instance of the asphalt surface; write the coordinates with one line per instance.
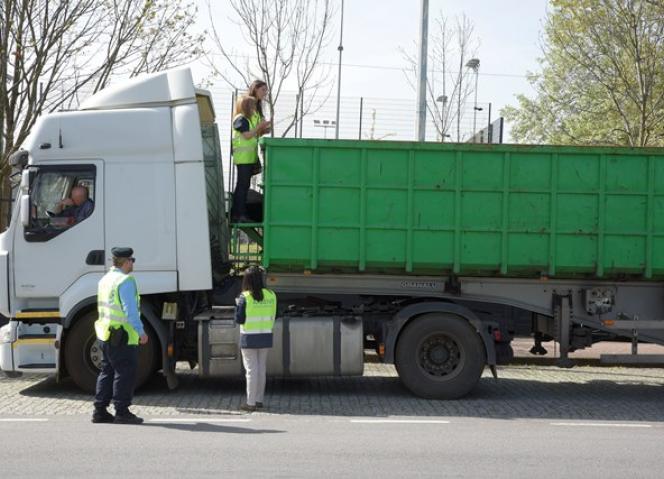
(273, 446)
(535, 420)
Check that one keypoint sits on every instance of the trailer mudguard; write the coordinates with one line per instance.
(394, 327)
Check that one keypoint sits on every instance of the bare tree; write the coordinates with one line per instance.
(372, 129)
(287, 38)
(448, 81)
(52, 51)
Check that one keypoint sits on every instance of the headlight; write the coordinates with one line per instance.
(7, 334)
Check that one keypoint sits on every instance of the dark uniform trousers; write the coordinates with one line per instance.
(244, 173)
(117, 377)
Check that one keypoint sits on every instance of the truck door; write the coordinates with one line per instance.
(59, 245)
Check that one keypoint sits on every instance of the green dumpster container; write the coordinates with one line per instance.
(428, 208)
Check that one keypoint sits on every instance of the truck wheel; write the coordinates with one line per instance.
(440, 356)
(83, 354)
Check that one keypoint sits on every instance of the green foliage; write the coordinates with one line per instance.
(602, 80)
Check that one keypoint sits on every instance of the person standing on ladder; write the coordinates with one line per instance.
(248, 126)
(255, 312)
(120, 331)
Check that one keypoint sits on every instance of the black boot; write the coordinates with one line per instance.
(101, 415)
(126, 417)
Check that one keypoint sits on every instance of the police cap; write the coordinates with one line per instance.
(120, 252)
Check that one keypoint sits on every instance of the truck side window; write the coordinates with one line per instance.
(60, 198)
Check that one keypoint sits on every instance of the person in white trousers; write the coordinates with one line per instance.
(255, 312)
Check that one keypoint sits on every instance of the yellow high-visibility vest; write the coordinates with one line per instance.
(109, 307)
(245, 152)
(259, 314)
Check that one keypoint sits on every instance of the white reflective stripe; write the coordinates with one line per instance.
(258, 331)
(250, 321)
(120, 320)
(255, 319)
(113, 306)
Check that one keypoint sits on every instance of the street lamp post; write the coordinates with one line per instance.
(474, 64)
(442, 99)
(341, 49)
(420, 123)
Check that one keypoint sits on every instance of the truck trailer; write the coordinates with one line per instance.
(433, 256)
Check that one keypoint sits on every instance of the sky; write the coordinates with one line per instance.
(374, 31)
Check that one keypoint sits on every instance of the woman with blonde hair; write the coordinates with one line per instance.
(258, 89)
(247, 128)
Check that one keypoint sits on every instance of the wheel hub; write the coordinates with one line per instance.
(439, 355)
(96, 354)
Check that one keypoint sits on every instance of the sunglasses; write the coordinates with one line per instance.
(133, 260)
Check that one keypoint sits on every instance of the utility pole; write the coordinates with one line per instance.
(422, 70)
(341, 49)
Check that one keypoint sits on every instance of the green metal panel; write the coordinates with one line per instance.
(421, 208)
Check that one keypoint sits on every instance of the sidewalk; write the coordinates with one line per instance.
(522, 353)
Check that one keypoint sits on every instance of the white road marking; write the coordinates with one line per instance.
(197, 420)
(399, 421)
(598, 424)
(23, 419)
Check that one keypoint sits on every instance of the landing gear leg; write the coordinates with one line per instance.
(538, 348)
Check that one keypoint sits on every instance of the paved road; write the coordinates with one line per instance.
(331, 446)
(584, 422)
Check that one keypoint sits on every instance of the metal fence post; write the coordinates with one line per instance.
(361, 109)
(301, 112)
(297, 118)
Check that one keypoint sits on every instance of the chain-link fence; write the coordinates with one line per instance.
(365, 118)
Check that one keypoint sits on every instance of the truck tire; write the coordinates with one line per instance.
(83, 355)
(440, 356)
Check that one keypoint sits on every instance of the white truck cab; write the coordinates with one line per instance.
(138, 150)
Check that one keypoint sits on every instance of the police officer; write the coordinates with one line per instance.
(255, 312)
(120, 331)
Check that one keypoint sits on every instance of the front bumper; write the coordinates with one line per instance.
(29, 348)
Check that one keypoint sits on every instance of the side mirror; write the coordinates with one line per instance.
(25, 180)
(19, 159)
(25, 210)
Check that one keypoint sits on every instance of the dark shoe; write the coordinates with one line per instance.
(127, 418)
(259, 405)
(248, 408)
(102, 416)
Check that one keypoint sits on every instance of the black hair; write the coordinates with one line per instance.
(253, 282)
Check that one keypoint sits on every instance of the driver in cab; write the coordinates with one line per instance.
(77, 207)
